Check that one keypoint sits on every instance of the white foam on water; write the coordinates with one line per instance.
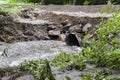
(21, 51)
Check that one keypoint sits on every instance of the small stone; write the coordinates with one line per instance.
(62, 37)
(76, 28)
(53, 33)
(66, 28)
(1, 43)
(65, 22)
(11, 39)
(87, 27)
(51, 27)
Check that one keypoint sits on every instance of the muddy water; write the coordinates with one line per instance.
(18, 52)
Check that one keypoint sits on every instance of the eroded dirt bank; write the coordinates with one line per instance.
(30, 25)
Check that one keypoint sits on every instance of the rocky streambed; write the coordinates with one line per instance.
(41, 35)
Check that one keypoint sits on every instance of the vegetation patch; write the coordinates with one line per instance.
(11, 9)
(39, 68)
(105, 52)
(95, 76)
(69, 62)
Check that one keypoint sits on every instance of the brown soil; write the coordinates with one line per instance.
(13, 31)
(28, 27)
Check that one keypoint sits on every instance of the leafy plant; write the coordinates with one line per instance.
(69, 61)
(11, 9)
(86, 2)
(40, 68)
(105, 51)
(95, 76)
(67, 78)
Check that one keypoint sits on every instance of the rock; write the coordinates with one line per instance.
(76, 28)
(93, 35)
(62, 37)
(73, 40)
(10, 39)
(87, 27)
(54, 33)
(51, 27)
(80, 35)
(5, 78)
(66, 28)
(64, 22)
(1, 43)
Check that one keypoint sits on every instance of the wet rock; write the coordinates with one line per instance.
(76, 28)
(73, 40)
(62, 37)
(11, 39)
(64, 22)
(51, 27)
(80, 35)
(54, 34)
(1, 43)
(5, 78)
(87, 27)
(93, 35)
(66, 28)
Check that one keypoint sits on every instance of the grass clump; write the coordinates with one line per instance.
(95, 76)
(11, 9)
(40, 69)
(98, 76)
(69, 61)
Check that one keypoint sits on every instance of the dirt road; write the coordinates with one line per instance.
(68, 8)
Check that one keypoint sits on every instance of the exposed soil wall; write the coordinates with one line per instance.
(26, 26)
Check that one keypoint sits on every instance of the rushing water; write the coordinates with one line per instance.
(18, 52)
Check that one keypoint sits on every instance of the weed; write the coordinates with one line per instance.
(40, 68)
(11, 9)
(69, 61)
(105, 51)
(95, 76)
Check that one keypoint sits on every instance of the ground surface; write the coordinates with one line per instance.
(74, 14)
(69, 8)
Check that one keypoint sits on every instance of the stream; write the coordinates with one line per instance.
(20, 51)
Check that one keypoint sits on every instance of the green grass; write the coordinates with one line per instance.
(105, 52)
(18, 2)
(11, 9)
(69, 62)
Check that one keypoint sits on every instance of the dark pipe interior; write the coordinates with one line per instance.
(72, 40)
